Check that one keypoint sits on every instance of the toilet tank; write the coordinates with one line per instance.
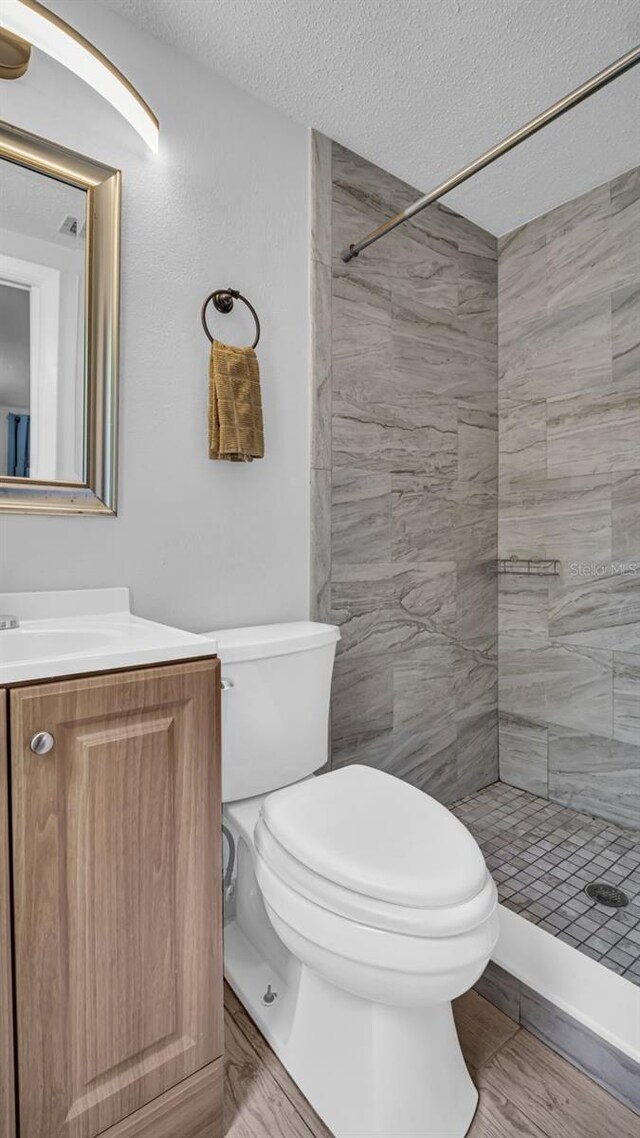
(275, 704)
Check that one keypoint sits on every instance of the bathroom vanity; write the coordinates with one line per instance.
(110, 902)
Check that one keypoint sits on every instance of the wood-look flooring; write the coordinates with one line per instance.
(526, 1090)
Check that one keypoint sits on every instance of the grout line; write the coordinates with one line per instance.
(603, 958)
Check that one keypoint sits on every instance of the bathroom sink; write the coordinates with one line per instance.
(30, 643)
(88, 630)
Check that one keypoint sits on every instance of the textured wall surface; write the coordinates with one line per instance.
(409, 454)
(569, 319)
(225, 202)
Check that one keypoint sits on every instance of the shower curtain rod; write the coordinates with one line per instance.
(625, 63)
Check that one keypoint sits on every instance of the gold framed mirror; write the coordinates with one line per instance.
(59, 316)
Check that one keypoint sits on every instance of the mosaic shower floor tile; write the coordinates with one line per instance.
(542, 855)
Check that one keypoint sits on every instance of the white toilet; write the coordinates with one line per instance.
(360, 907)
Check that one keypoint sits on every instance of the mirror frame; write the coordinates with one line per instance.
(97, 494)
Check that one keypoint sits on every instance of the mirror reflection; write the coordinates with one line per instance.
(42, 326)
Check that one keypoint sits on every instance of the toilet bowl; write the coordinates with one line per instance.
(361, 908)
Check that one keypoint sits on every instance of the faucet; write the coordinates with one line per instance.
(8, 621)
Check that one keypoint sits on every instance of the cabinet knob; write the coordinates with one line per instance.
(42, 742)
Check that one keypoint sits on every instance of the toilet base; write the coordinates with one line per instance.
(370, 1070)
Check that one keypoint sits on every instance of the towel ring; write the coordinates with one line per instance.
(223, 299)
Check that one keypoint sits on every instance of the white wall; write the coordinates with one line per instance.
(225, 202)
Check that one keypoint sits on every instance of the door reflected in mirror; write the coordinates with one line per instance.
(42, 326)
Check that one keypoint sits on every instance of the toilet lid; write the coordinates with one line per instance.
(376, 835)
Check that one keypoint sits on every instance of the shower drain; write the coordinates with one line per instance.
(608, 895)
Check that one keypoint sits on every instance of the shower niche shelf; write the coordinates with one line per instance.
(529, 566)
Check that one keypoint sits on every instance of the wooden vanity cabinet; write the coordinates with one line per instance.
(116, 907)
(7, 1075)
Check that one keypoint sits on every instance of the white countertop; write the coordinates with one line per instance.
(70, 632)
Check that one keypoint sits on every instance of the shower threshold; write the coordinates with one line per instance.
(542, 856)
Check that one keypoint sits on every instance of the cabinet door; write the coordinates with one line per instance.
(7, 1115)
(117, 893)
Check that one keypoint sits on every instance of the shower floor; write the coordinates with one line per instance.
(542, 855)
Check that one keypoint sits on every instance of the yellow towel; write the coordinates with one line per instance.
(235, 404)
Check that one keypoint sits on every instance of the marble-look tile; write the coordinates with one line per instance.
(523, 604)
(522, 274)
(477, 601)
(388, 608)
(425, 278)
(625, 190)
(476, 753)
(579, 250)
(435, 518)
(568, 519)
(362, 699)
(567, 350)
(599, 610)
(414, 465)
(360, 516)
(569, 425)
(595, 774)
(437, 752)
(418, 433)
(354, 212)
(440, 223)
(425, 758)
(478, 288)
(626, 637)
(369, 184)
(476, 679)
(477, 445)
(599, 1059)
(626, 698)
(424, 687)
(361, 320)
(593, 433)
(477, 523)
(450, 355)
(559, 683)
(320, 331)
(625, 516)
(469, 238)
(364, 196)
(523, 750)
(424, 518)
(320, 197)
(624, 228)
(421, 272)
(320, 552)
(625, 335)
(522, 430)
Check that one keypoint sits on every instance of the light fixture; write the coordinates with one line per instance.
(28, 22)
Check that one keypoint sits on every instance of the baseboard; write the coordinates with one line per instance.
(611, 1068)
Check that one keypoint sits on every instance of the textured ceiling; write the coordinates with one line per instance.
(423, 86)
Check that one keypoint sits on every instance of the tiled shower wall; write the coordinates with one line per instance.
(404, 479)
(569, 361)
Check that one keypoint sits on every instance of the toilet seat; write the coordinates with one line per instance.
(444, 921)
(373, 850)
